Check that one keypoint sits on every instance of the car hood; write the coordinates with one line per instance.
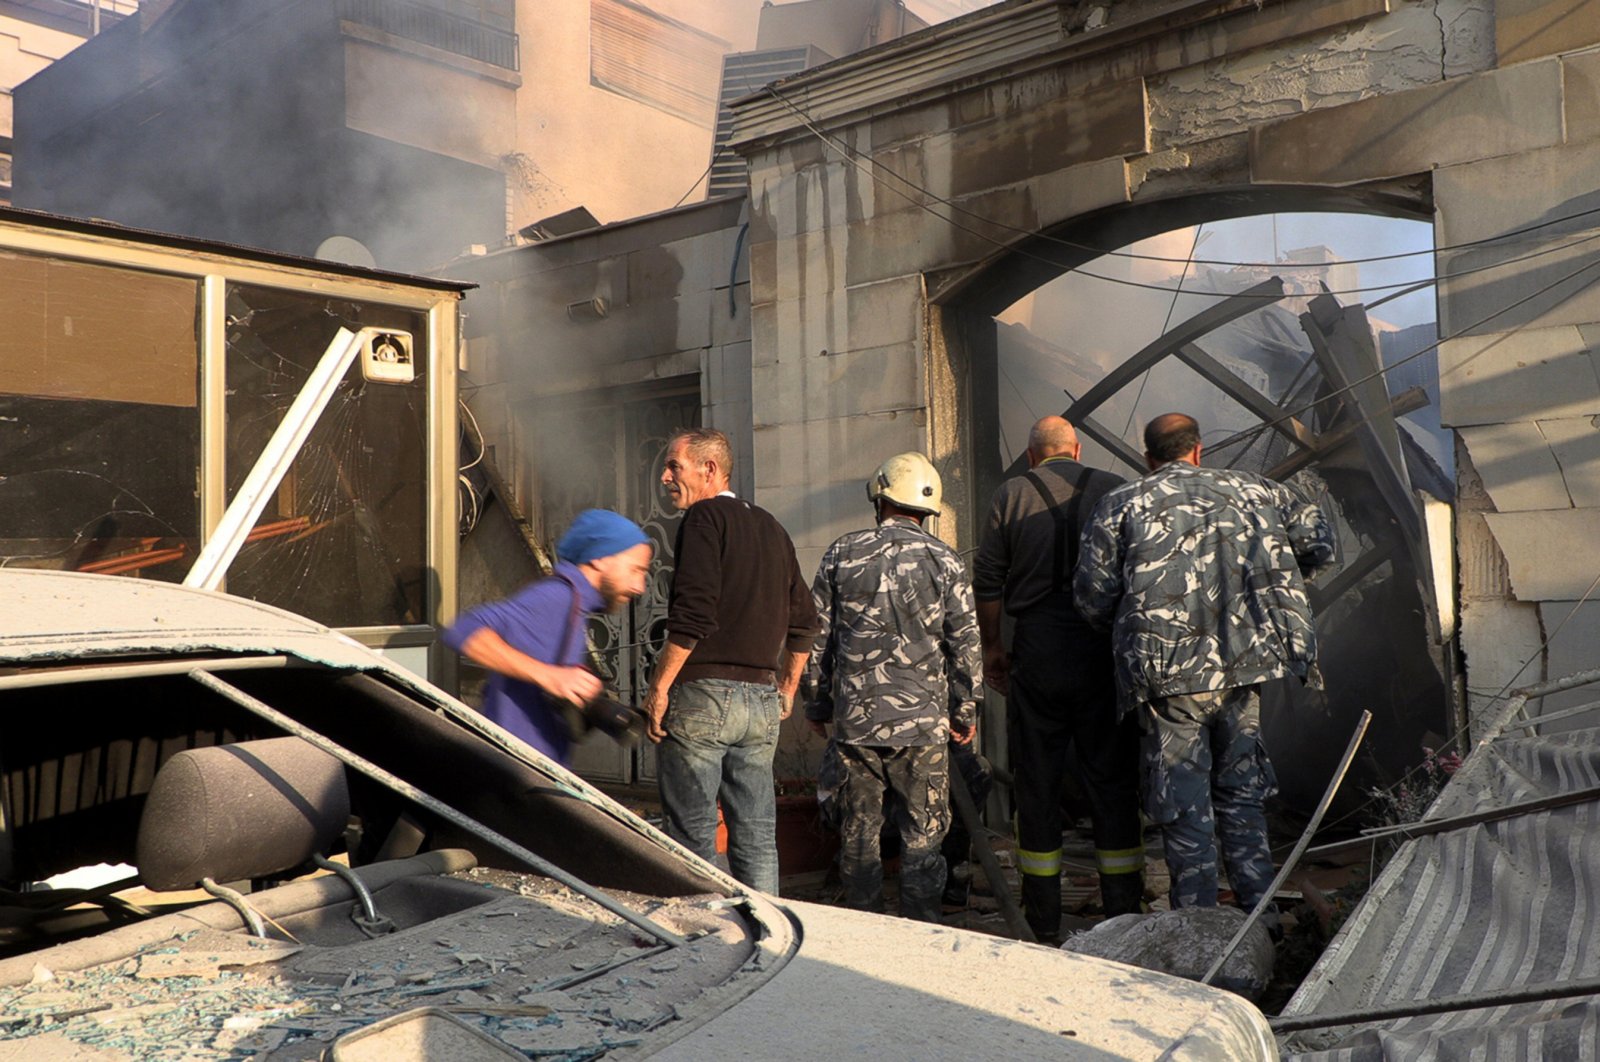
(70, 615)
(875, 987)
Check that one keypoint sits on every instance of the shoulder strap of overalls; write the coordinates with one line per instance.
(1066, 520)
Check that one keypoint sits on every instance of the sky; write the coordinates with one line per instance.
(1350, 236)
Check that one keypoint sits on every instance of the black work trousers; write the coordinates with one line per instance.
(1063, 702)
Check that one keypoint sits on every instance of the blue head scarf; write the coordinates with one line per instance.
(598, 533)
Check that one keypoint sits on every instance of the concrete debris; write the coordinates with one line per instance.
(1184, 943)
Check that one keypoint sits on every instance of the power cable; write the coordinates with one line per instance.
(849, 152)
(1166, 323)
(695, 185)
(478, 433)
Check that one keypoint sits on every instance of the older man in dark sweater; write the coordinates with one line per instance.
(719, 690)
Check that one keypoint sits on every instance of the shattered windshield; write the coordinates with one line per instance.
(536, 915)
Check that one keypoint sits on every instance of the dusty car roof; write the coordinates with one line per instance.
(59, 615)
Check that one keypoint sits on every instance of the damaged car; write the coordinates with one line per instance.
(319, 855)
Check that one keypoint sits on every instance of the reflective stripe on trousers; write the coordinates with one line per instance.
(1119, 860)
(1039, 864)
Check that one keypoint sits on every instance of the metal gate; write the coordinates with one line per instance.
(607, 452)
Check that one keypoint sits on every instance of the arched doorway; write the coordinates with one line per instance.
(1303, 342)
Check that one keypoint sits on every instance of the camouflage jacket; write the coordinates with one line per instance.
(1198, 573)
(898, 658)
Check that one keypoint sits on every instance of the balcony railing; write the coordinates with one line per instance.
(430, 25)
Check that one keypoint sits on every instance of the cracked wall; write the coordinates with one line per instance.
(1417, 44)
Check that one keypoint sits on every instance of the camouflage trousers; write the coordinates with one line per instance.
(919, 778)
(1206, 775)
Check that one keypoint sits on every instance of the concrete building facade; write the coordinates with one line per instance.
(34, 34)
(901, 197)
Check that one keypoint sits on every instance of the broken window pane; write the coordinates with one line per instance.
(343, 539)
(99, 421)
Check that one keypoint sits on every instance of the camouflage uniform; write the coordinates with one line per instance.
(1199, 573)
(832, 777)
(1205, 766)
(898, 662)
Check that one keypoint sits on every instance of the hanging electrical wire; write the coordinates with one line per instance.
(851, 153)
(472, 498)
(477, 434)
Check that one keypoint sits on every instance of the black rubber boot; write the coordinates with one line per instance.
(1041, 905)
(1122, 894)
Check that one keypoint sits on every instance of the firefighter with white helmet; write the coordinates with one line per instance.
(896, 676)
(909, 481)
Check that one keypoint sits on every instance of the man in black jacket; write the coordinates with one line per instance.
(719, 690)
(1058, 678)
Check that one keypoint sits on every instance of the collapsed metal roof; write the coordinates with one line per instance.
(1478, 940)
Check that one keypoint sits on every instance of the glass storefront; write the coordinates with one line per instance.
(139, 385)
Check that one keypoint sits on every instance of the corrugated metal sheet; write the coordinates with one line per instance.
(742, 74)
(1470, 911)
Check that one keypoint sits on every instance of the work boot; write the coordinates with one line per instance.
(1122, 894)
(957, 890)
(1041, 905)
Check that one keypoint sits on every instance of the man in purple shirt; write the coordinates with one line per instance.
(533, 642)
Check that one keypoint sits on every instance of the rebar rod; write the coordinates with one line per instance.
(962, 798)
(1426, 827)
(1476, 1001)
(1299, 848)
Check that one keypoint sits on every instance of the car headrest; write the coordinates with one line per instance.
(231, 812)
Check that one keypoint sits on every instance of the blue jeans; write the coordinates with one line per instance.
(721, 736)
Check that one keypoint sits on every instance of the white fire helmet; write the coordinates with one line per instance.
(910, 481)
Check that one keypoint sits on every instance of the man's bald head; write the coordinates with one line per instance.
(1172, 437)
(1052, 437)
